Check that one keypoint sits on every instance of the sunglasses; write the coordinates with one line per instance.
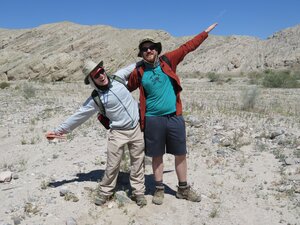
(95, 74)
(145, 49)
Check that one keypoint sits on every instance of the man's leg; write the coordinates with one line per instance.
(155, 141)
(114, 157)
(176, 145)
(158, 168)
(137, 174)
(181, 167)
(184, 190)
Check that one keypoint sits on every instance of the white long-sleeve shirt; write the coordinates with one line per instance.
(120, 107)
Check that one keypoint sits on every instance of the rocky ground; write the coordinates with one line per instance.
(244, 158)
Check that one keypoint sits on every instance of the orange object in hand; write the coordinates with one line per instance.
(51, 135)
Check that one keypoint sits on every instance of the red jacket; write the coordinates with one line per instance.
(175, 57)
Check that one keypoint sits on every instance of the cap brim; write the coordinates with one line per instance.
(86, 79)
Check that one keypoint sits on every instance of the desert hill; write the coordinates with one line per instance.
(56, 51)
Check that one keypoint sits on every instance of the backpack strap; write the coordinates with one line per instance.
(165, 59)
(96, 97)
(117, 78)
(98, 102)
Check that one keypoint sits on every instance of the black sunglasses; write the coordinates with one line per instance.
(151, 47)
(96, 73)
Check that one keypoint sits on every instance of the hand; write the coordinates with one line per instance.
(50, 135)
(211, 27)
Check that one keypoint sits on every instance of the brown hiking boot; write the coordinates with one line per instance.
(140, 200)
(187, 193)
(158, 196)
(101, 199)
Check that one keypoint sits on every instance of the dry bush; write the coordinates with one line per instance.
(249, 97)
(29, 90)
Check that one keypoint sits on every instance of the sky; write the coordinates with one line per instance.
(258, 18)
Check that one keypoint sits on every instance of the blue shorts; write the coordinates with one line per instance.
(165, 134)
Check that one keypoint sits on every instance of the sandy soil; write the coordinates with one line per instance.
(245, 163)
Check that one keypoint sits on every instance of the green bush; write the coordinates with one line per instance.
(4, 85)
(255, 77)
(213, 77)
(275, 79)
(296, 74)
(280, 79)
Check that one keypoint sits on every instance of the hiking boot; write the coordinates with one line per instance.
(100, 199)
(187, 193)
(140, 200)
(158, 196)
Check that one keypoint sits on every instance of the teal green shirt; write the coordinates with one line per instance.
(159, 92)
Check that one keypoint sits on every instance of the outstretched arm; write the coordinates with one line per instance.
(211, 27)
(88, 109)
(177, 55)
(125, 72)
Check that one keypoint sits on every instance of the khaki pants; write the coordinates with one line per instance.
(115, 147)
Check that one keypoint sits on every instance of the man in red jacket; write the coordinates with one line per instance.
(161, 110)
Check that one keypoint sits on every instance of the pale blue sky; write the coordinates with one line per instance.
(259, 18)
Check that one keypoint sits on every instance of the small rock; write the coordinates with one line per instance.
(63, 191)
(110, 205)
(71, 221)
(289, 161)
(122, 197)
(291, 170)
(71, 197)
(225, 142)
(218, 127)
(5, 176)
(244, 141)
(297, 189)
(221, 152)
(276, 133)
(2, 223)
(17, 220)
(193, 121)
(215, 139)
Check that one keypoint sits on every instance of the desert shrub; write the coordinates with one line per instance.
(296, 74)
(275, 79)
(4, 85)
(280, 79)
(229, 79)
(28, 90)
(255, 77)
(213, 77)
(297, 153)
(249, 97)
(195, 74)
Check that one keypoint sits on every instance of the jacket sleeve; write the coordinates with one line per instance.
(133, 80)
(177, 55)
(88, 109)
(125, 72)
